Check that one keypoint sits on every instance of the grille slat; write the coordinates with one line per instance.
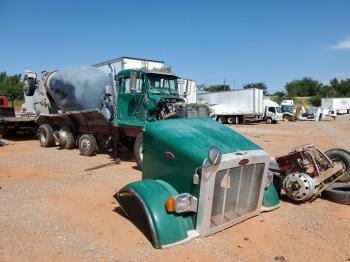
(236, 193)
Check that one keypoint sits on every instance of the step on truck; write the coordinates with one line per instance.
(84, 107)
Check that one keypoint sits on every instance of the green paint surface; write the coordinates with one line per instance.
(169, 227)
(189, 140)
(271, 198)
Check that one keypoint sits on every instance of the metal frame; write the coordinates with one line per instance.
(207, 188)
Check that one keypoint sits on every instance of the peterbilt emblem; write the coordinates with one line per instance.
(169, 155)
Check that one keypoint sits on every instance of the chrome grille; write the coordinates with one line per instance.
(236, 193)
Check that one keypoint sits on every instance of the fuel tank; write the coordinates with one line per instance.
(79, 87)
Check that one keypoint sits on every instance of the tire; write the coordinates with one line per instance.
(341, 156)
(66, 138)
(287, 118)
(56, 138)
(138, 150)
(87, 145)
(46, 137)
(268, 120)
(274, 121)
(230, 120)
(338, 192)
(29, 87)
(222, 120)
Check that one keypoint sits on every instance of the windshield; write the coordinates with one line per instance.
(286, 108)
(162, 84)
(279, 110)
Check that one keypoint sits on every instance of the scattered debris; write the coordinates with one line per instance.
(306, 171)
(280, 258)
(3, 142)
(116, 161)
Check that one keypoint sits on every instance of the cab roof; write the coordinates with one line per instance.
(127, 72)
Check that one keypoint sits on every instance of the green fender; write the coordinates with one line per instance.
(147, 199)
(271, 200)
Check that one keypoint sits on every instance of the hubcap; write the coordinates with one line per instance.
(299, 186)
(85, 144)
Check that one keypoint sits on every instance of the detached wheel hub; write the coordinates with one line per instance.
(299, 186)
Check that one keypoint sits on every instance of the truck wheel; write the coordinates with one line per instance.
(338, 192)
(56, 138)
(87, 145)
(222, 120)
(287, 118)
(343, 157)
(230, 120)
(138, 150)
(29, 87)
(66, 138)
(269, 120)
(46, 137)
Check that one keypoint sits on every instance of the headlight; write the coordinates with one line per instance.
(181, 203)
(214, 155)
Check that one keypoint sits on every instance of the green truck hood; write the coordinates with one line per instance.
(193, 137)
(189, 141)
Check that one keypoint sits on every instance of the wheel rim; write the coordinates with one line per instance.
(42, 137)
(340, 161)
(221, 120)
(141, 152)
(85, 145)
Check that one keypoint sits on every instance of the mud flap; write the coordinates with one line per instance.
(145, 200)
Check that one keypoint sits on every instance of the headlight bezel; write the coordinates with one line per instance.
(214, 155)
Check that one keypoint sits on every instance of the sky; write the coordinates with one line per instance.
(211, 42)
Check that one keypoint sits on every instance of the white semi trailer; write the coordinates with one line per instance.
(340, 105)
(237, 106)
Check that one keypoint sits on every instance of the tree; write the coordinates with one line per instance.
(217, 88)
(304, 87)
(259, 85)
(278, 96)
(338, 88)
(11, 85)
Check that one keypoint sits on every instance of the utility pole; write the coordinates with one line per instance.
(224, 83)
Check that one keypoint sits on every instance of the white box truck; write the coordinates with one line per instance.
(340, 105)
(188, 90)
(237, 106)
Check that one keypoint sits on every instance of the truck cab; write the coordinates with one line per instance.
(145, 95)
(288, 110)
(6, 110)
(272, 112)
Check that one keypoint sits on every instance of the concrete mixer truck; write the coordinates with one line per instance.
(85, 107)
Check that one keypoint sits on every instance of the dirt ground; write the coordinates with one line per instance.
(53, 210)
